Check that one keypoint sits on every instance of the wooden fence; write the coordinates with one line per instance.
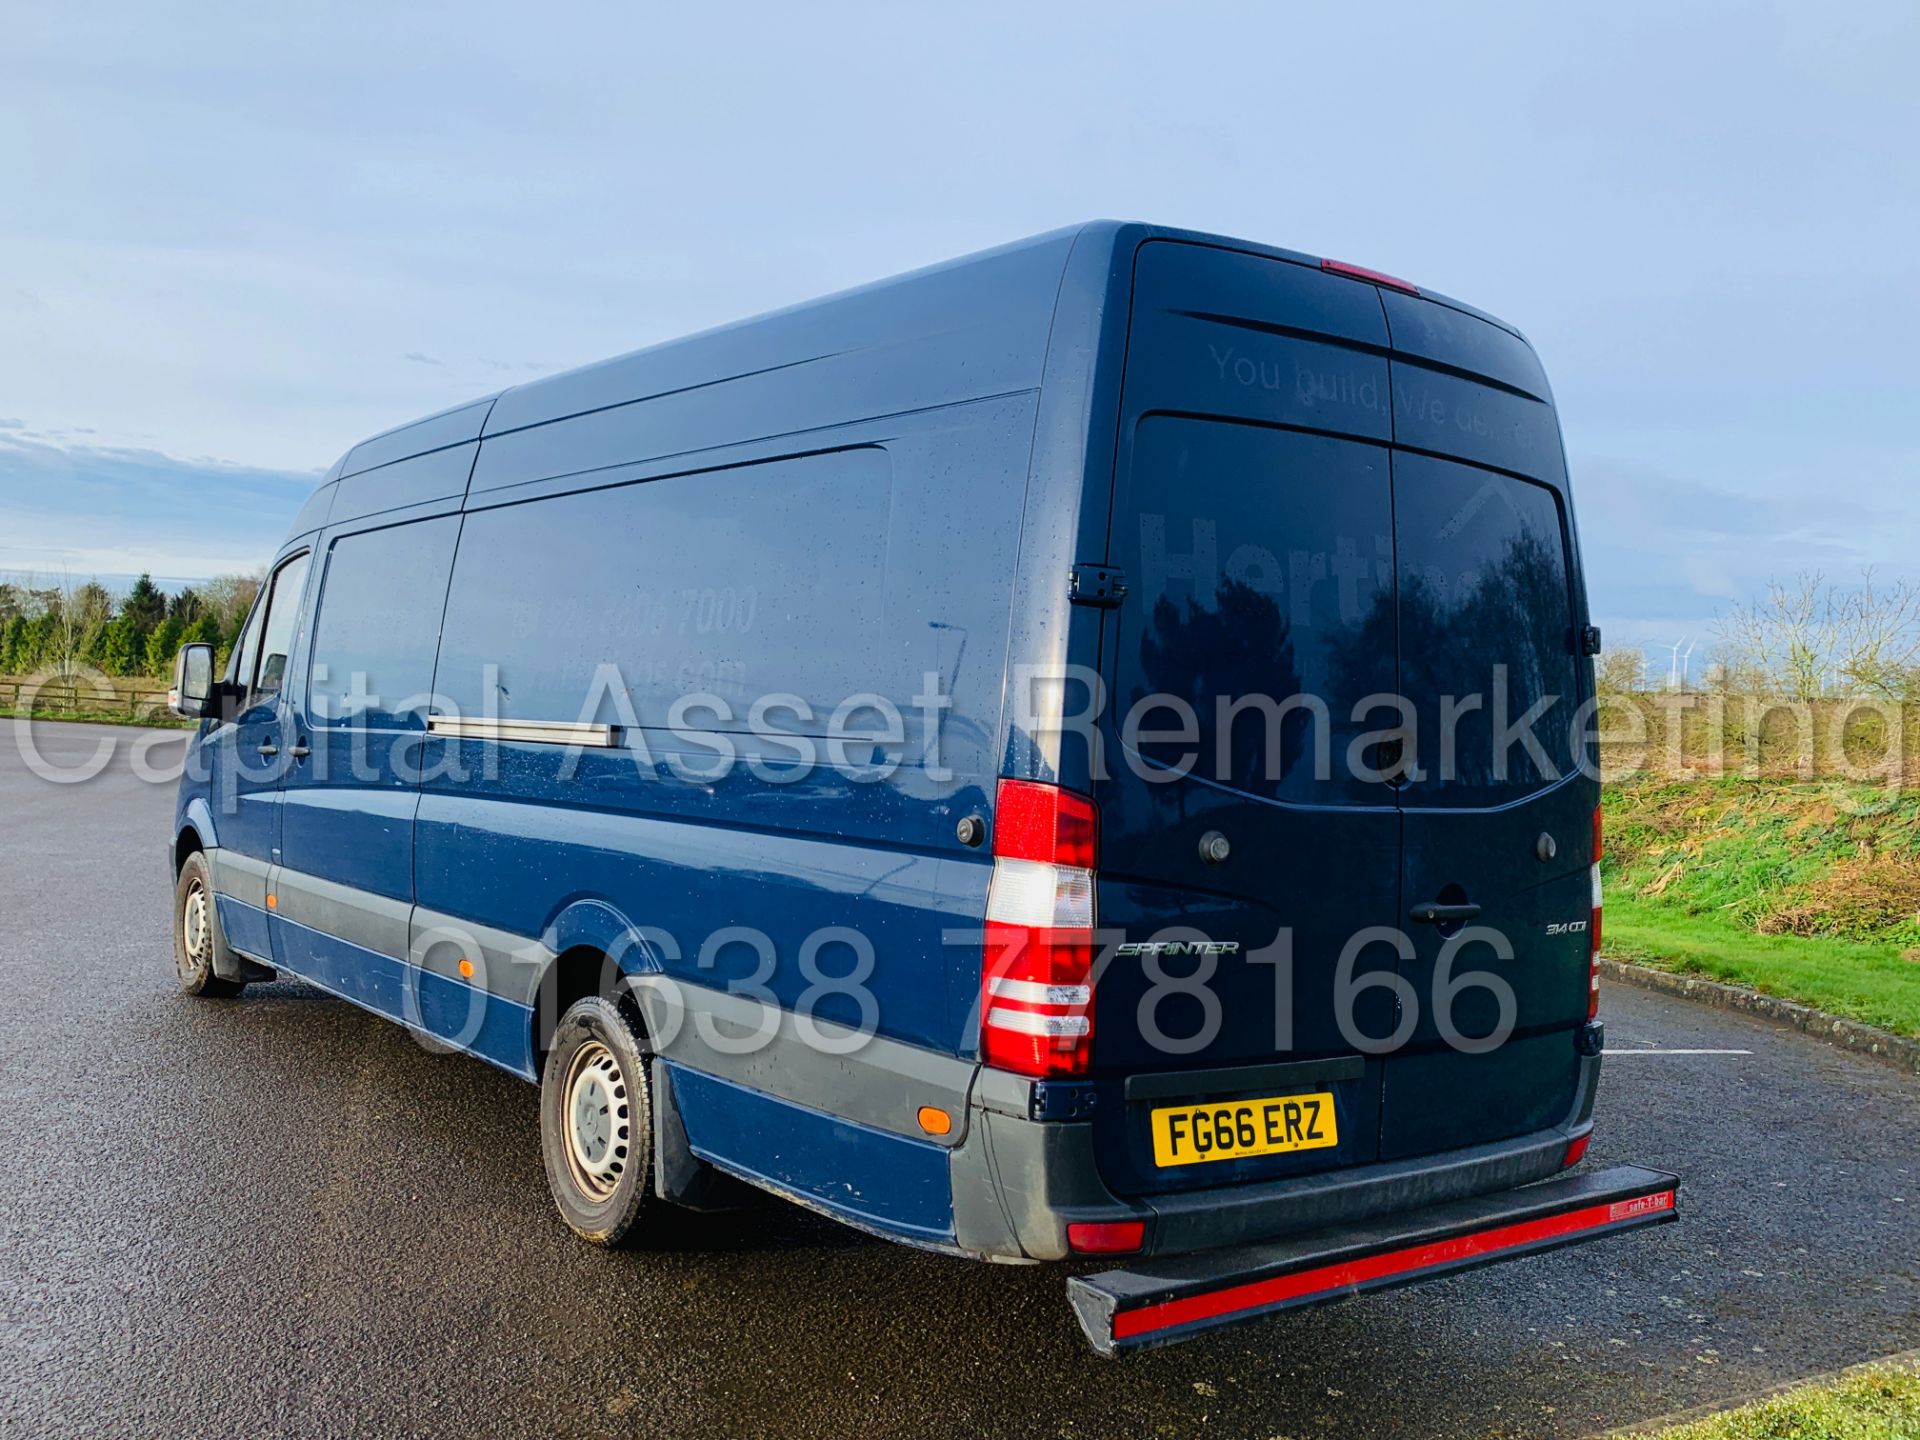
(132, 698)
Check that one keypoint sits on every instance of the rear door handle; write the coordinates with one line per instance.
(1432, 912)
(268, 749)
(300, 750)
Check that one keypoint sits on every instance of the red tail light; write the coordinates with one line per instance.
(1036, 994)
(1577, 1151)
(1106, 1237)
(1372, 277)
(1593, 928)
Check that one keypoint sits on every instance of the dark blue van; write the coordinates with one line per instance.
(1080, 751)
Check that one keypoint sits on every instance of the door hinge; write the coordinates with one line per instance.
(1587, 640)
(1101, 585)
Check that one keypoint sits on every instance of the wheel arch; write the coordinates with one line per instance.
(594, 946)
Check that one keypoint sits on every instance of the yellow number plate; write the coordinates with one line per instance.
(1234, 1129)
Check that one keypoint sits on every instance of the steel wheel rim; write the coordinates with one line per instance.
(597, 1120)
(196, 932)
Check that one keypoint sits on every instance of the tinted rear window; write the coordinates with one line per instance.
(1286, 581)
(1486, 616)
(1264, 565)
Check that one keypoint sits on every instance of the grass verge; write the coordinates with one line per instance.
(157, 720)
(1876, 1403)
(1860, 980)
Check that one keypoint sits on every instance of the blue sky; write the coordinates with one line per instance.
(238, 238)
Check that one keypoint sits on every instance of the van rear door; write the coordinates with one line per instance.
(1253, 518)
(1499, 816)
(1338, 508)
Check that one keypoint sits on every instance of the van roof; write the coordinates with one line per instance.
(987, 315)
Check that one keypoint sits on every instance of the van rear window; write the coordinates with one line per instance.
(1486, 612)
(1299, 593)
(1264, 565)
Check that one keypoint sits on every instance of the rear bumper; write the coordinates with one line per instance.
(1158, 1304)
(1018, 1183)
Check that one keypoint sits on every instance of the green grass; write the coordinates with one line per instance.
(1858, 979)
(156, 719)
(1806, 891)
(1875, 1404)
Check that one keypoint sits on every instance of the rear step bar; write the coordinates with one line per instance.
(1187, 1295)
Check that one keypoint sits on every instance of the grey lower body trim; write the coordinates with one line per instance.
(504, 964)
(1017, 1183)
(359, 917)
(238, 877)
(868, 1079)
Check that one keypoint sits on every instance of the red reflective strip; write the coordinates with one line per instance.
(1260, 1293)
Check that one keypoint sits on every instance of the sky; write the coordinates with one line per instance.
(235, 239)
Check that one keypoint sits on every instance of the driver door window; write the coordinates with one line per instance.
(261, 663)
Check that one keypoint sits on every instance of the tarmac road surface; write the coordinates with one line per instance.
(280, 1214)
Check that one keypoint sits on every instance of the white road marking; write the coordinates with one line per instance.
(1644, 1050)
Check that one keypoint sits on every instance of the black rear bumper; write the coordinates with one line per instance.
(1177, 1298)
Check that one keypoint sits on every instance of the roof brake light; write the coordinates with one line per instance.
(1372, 277)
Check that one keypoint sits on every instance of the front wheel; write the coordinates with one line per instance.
(196, 933)
(596, 1121)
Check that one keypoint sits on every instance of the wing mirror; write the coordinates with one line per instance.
(192, 693)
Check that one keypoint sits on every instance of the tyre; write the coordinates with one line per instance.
(196, 934)
(596, 1121)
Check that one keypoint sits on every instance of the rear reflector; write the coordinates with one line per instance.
(1169, 1300)
(1577, 1151)
(1372, 277)
(1110, 1237)
(1036, 1001)
(1593, 950)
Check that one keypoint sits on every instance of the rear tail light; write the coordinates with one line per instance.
(1372, 277)
(1593, 928)
(1036, 1003)
(1106, 1237)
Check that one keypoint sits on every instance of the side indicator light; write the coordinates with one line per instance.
(273, 902)
(466, 969)
(935, 1121)
(1372, 277)
(1106, 1237)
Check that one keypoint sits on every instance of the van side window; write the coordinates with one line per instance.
(377, 627)
(758, 580)
(276, 634)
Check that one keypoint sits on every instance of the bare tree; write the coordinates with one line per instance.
(1620, 672)
(1808, 637)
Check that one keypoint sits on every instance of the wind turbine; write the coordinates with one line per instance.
(1673, 666)
(1686, 662)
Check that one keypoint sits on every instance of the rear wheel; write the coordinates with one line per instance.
(596, 1121)
(196, 933)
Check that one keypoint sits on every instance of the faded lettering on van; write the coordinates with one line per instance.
(1312, 386)
(1261, 570)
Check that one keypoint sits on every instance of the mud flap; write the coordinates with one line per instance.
(1186, 1295)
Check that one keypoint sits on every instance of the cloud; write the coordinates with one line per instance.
(1664, 555)
(91, 509)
